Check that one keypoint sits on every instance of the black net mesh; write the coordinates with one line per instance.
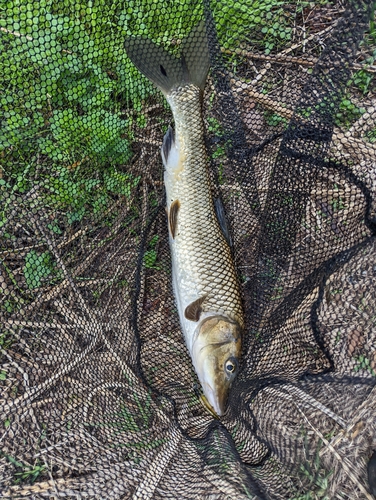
(99, 397)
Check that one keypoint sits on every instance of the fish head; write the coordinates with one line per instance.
(215, 355)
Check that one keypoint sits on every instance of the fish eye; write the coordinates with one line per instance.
(231, 365)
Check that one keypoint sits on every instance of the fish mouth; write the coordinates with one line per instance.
(216, 401)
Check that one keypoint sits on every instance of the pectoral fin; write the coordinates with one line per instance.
(173, 217)
(193, 311)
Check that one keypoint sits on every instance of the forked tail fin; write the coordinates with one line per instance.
(167, 71)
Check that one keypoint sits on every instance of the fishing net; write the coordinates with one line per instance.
(99, 398)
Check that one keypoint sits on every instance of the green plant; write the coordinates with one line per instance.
(132, 420)
(363, 363)
(265, 20)
(277, 293)
(126, 421)
(348, 112)
(6, 339)
(214, 126)
(371, 35)
(70, 99)
(65, 77)
(274, 119)
(27, 472)
(338, 337)
(319, 484)
(97, 134)
(43, 74)
(220, 152)
(81, 190)
(363, 79)
(37, 266)
(371, 135)
(150, 256)
(30, 473)
(338, 204)
(312, 473)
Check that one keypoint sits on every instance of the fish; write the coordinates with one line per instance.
(204, 279)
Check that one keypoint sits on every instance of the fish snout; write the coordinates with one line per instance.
(216, 398)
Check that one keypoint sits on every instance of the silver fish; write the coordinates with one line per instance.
(204, 278)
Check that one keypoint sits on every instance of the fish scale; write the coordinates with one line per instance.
(199, 244)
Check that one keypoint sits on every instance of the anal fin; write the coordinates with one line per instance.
(173, 217)
(193, 311)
